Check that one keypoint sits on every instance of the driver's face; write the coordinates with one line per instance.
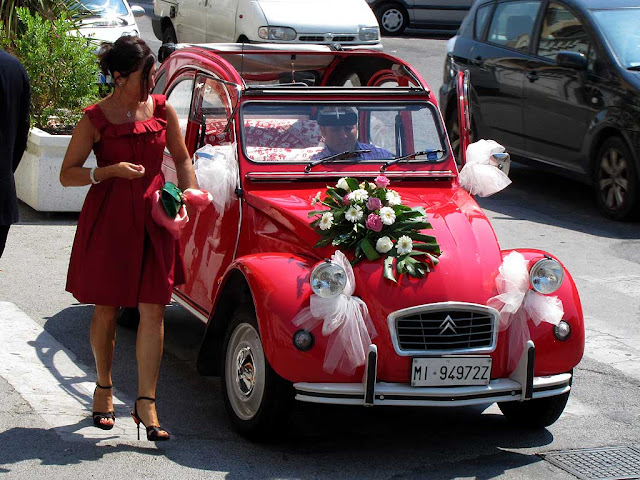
(340, 138)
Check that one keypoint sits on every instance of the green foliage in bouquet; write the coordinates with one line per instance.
(370, 219)
(61, 65)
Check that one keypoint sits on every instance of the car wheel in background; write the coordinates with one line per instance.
(536, 413)
(393, 18)
(616, 180)
(453, 129)
(169, 35)
(256, 399)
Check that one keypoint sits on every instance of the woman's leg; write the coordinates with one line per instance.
(149, 354)
(103, 339)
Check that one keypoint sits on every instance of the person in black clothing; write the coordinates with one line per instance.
(15, 95)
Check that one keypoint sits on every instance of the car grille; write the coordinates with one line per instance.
(447, 328)
(321, 38)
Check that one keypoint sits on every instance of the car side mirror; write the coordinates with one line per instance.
(574, 60)
(137, 11)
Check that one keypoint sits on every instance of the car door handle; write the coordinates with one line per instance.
(532, 76)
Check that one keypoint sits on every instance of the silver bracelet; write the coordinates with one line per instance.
(91, 177)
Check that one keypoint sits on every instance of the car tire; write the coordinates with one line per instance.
(535, 414)
(169, 35)
(453, 129)
(393, 18)
(256, 398)
(128, 318)
(616, 181)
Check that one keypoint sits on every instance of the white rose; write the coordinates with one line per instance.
(327, 221)
(354, 213)
(316, 199)
(342, 183)
(359, 195)
(393, 198)
(387, 215)
(405, 245)
(384, 244)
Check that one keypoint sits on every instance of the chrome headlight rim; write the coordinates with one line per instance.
(340, 279)
(540, 266)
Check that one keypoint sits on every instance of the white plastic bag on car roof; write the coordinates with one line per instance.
(216, 169)
(480, 175)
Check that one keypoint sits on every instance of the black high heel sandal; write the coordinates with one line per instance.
(153, 431)
(99, 416)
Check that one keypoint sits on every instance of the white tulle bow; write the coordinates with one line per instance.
(346, 322)
(479, 176)
(516, 302)
(216, 168)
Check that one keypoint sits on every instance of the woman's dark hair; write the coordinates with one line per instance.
(125, 56)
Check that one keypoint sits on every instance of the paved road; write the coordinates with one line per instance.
(46, 366)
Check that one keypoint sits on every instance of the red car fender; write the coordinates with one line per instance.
(552, 355)
(279, 284)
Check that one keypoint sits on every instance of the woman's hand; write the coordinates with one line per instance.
(127, 170)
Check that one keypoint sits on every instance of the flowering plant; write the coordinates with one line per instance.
(370, 219)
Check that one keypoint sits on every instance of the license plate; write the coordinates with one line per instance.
(450, 371)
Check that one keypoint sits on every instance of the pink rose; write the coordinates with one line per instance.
(345, 200)
(374, 204)
(382, 181)
(374, 223)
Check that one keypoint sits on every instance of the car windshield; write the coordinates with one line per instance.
(620, 27)
(105, 8)
(371, 132)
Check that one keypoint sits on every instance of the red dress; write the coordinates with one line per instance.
(120, 256)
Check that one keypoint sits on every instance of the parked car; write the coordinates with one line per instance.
(557, 83)
(328, 22)
(396, 15)
(260, 269)
(110, 19)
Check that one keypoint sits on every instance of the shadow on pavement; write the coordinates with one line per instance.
(319, 441)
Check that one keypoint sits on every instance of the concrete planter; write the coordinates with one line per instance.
(38, 175)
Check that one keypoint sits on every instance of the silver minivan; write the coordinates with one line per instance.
(349, 23)
(396, 15)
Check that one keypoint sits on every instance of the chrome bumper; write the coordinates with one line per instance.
(520, 386)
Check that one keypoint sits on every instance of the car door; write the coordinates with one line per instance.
(560, 102)
(209, 239)
(434, 12)
(221, 19)
(498, 67)
(190, 21)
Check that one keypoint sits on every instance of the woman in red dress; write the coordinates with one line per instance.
(120, 256)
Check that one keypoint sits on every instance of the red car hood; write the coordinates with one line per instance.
(470, 252)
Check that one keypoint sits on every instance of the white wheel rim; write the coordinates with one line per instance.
(245, 371)
(392, 20)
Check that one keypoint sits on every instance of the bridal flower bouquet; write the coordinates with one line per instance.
(370, 219)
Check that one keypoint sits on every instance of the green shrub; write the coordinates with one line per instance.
(62, 68)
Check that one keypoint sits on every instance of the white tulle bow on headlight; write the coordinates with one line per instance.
(346, 322)
(516, 302)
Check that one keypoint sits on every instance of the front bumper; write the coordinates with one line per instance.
(520, 386)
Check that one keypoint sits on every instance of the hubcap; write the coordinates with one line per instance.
(245, 371)
(392, 20)
(614, 179)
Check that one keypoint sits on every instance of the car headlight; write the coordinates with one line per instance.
(368, 34)
(285, 34)
(328, 279)
(546, 275)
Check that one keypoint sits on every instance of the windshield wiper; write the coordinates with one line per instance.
(337, 156)
(408, 157)
(634, 68)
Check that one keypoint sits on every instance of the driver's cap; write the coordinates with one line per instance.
(338, 116)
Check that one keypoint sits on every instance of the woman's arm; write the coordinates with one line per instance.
(73, 174)
(179, 152)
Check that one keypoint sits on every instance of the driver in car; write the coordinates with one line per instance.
(339, 127)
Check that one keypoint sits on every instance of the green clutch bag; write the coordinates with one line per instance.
(171, 199)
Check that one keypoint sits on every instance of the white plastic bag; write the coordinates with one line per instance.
(216, 169)
(480, 174)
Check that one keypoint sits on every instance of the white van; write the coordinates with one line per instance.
(345, 22)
